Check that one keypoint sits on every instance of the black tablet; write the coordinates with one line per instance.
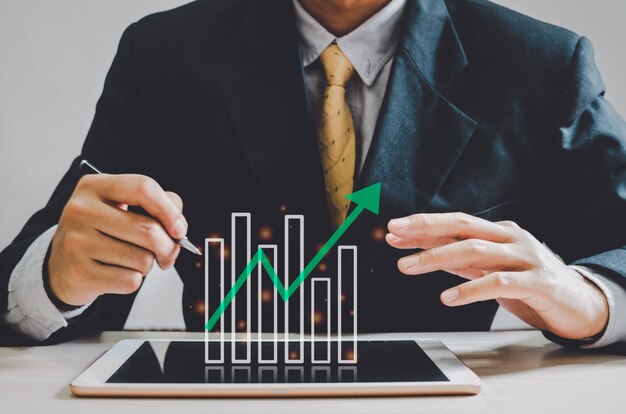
(180, 369)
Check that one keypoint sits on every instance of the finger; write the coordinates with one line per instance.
(470, 274)
(115, 252)
(178, 202)
(121, 206)
(175, 198)
(507, 285)
(126, 226)
(459, 226)
(141, 231)
(414, 243)
(116, 280)
(138, 190)
(466, 254)
(508, 223)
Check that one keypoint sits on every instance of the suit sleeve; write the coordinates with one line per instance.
(112, 143)
(585, 214)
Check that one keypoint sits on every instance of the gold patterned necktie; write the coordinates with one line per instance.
(336, 134)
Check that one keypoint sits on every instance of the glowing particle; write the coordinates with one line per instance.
(318, 318)
(378, 234)
(266, 295)
(199, 307)
(265, 233)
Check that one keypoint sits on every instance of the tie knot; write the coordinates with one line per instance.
(338, 68)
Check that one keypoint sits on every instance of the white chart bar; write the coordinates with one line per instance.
(207, 374)
(314, 313)
(340, 289)
(273, 259)
(209, 359)
(299, 370)
(349, 372)
(261, 376)
(316, 370)
(235, 271)
(300, 358)
(235, 374)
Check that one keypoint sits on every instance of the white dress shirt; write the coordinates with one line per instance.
(370, 48)
(29, 310)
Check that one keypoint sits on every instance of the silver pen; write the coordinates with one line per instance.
(184, 242)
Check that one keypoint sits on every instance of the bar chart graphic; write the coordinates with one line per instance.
(254, 279)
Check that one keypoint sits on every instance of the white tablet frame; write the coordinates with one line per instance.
(92, 382)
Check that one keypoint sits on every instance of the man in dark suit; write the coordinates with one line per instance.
(488, 131)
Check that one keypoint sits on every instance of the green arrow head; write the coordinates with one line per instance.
(368, 198)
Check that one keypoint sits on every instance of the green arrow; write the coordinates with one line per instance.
(365, 199)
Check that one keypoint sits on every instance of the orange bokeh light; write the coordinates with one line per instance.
(318, 318)
(199, 307)
(265, 233)
(266, 296)
(378, 234)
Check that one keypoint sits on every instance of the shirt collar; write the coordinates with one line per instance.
(368, 47)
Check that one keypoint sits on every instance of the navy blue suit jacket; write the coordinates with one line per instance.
(486, 112)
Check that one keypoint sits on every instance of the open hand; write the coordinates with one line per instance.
(505, 263)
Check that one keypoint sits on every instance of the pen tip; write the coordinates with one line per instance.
(198, 252)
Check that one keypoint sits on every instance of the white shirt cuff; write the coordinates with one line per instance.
(616, 298)
(30, 311)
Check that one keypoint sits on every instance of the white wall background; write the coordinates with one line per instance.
(54, 56)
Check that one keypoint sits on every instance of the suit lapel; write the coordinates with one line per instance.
(420, 134)
(267, 104)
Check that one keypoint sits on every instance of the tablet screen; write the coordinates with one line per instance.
(183, 362)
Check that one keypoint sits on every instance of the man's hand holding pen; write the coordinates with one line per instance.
(100, 247)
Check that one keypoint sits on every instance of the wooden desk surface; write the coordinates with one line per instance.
(522, 372)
